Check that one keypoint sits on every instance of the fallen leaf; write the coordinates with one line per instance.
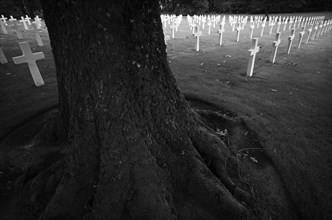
(27, 147)
(253, 159)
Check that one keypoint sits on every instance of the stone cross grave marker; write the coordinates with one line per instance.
(285, 24)
(214, 20)
(12, 20)
(295, 23)
(164, 21)
(279, 23)
(290, 23)
(258, 22)
(221, 32)
(238, 30)
(197, 34)
(290, 40)
(37, 35)
(300, 22)
(30, 58)
(253, 51)
(38, 22)
(3, 18)
(173, 26)
(17, 31)
(301, 34)
(320, 29)
(233, 25)
(27, 18)
(314, 35)
(263, 26)
(24, 22)
(323, 28)
(209, 24)
(3, 27)
(305, 21)
(252, 26)
(309, 33)
(203, 22)
(275, 45)
(271, 28)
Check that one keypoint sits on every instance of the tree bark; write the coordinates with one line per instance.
(134, 149)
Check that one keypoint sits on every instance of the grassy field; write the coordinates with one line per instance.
(287, 104)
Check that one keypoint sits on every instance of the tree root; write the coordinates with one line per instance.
(68, 189)
(216, 155)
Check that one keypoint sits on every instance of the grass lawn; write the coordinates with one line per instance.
(287, 105)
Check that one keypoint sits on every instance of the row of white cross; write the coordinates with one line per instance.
(27, 56)
(316, 23)
(174, 21)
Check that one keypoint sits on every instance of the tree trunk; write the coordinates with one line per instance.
(134, 149)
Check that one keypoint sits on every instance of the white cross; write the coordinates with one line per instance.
(253, 51)
(30, 58)
(24, 23)
(12, 20)
(309, 33)
(285, 25)
(238, 29)
(173, 26)
(263, 26)
(233, 25)
(258, 22)
(272, 25)
(3, 28)
(37, 35)
(209, 24)
(279, 23)
(290, 40)
(252, 26)
(290, 23)
(320, 29)
(3, 18)
(38, 22)
(275, 45)
(314, 35)
(197, 34)
(221, 32)
(295, 21)
(301, 36)
(27, 18)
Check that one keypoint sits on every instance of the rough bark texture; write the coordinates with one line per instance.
(134, 149)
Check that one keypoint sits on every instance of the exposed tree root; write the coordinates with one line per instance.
(192, 184)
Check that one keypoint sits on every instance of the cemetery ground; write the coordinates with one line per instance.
(278, 122)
